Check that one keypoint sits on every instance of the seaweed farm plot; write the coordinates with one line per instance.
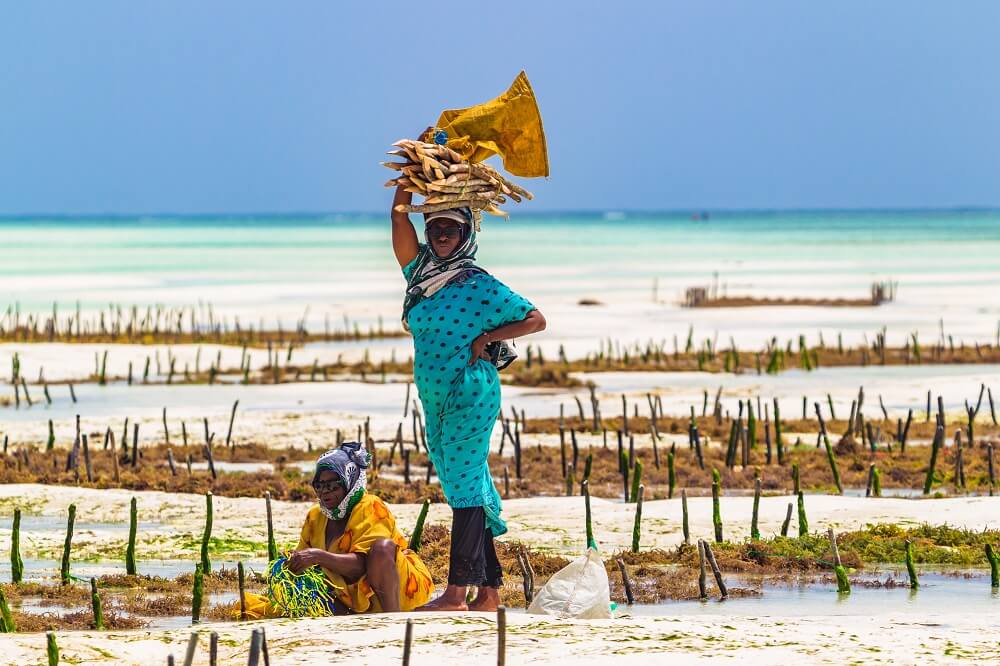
(771, 609)
(813, 445)
(871, 596)
(788, 499)
(391, 359)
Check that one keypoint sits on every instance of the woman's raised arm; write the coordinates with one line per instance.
(404, 237)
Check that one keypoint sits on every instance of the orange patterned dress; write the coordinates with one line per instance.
(370, 520)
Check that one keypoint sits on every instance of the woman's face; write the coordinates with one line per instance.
(328, 489)
(444, 236)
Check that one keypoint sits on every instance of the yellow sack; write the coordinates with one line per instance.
(509, 126)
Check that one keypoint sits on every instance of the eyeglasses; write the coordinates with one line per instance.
(326, 486)
(446, 230)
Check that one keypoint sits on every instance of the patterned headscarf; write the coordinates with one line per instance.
(431, 272)
(349, 463)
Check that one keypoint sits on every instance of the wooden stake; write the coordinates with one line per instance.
(206, 564)
(7, 624)
(636, 481)
(272, 547)
(803, 522)
(624, 412)
(501, 636)
(830, 457)
(788, 521)
(989, 466)
(906, 431)
(525, 580)
(562, 450)
(754, 530)
(130, 567)
(16, 563)
(935, 447)
(114, 458)
(778, 443)
(256, 644)
(994, 560)
(843, 585)
(684, 514)
(910, 569)
(241, 576)
(232, 417)
(197, 594)
(407, 642)
(166, 431)
(517, 453)
(585, 489)
(86, 459)
(626, 582)
(671, 474)
(191, 647)
(702, 577)
(710, 556)
(64, 569)
(135, 444)
(418, 529)
(95, 605)
(716, 513)
(51, 649)
(637, 525)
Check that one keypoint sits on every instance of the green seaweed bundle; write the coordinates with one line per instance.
(298, 595)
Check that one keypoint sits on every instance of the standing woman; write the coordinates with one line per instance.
(454, 309)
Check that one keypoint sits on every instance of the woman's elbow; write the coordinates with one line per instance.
(539, 320)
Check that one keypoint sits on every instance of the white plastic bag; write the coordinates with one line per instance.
(580, 590)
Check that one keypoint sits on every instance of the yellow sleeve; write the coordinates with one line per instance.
(370, 521)
(308, 527)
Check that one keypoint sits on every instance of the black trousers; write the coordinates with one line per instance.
(473, 554)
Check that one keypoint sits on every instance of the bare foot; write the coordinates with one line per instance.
(453, 599)
(487, 600)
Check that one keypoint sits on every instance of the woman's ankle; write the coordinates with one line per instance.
(487, 598)
(455, 593)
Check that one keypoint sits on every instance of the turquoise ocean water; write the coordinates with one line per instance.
(278, 265)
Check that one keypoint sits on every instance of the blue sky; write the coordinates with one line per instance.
(206, 107)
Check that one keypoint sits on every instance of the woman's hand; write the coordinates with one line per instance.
(300, 560)
(479, 349)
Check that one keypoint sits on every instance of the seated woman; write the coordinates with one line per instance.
(352, 536)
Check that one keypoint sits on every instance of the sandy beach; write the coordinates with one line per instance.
(928, 636)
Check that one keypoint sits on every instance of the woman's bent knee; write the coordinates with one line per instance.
(383, 550)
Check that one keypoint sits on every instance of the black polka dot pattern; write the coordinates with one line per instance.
(461, 401)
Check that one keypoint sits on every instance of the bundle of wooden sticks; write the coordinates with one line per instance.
(447, 180)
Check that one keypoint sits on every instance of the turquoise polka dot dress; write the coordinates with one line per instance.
(460, 401)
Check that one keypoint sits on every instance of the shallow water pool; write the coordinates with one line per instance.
(969, 591)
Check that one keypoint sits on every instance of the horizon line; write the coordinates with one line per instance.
(138, 216)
